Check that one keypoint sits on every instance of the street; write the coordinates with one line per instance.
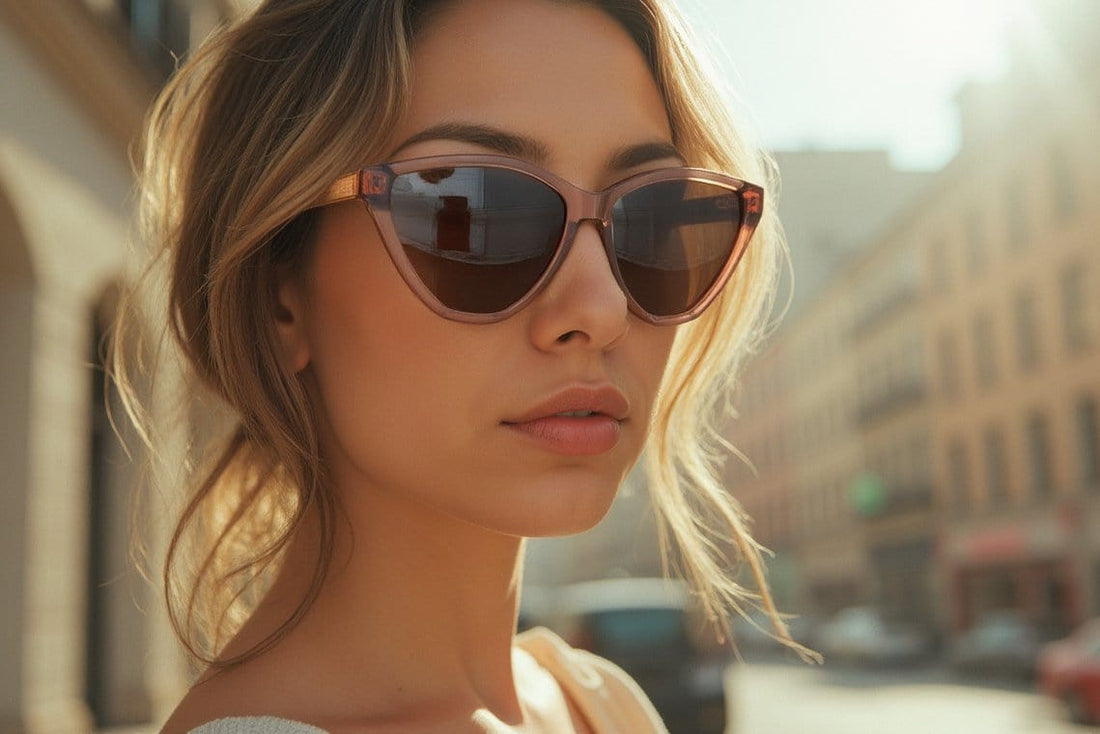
(789, 698)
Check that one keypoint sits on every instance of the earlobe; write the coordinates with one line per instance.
(290, 323)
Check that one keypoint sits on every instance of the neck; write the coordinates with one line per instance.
(417, 607)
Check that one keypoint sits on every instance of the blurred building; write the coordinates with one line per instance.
(1014, 288)
(802, 401)
(82, 646)
(925, 429)
(832, 205)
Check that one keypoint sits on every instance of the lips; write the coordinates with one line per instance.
(577, 421)
(602, 399)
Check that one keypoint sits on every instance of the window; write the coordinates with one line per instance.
(1016, 213)
(910, 361)
(958, 463)
(985, 358)
(1038, 450)
(1075, 319)
(1026, 330)
(975, 242)
(918, 457)
(996, 473)
(159, 30)
(1088, 442)
(1063, 185)
(937, 267)
(949, 365)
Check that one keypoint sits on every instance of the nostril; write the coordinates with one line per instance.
(567, 336)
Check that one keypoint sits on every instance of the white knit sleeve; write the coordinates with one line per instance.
(256, 725)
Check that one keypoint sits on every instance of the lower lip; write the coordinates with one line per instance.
(572, 436)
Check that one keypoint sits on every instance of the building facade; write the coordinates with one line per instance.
(961, 349)
(1013, 269)
(82, 644)
(802, 399)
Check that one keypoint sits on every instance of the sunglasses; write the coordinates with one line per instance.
(477, 237)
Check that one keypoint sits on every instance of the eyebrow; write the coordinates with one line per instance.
(631, 156)
(507, 143)
(520, 146)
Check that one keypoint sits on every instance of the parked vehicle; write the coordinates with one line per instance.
(859, 635)
(647, 627)
(1001, 644)
(536, 605)
(1069, 670)
(753, 637)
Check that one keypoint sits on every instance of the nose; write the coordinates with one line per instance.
(582, 305)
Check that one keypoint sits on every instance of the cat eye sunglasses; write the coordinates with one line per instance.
(477, 237)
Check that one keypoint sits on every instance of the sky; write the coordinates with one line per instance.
(841, 74)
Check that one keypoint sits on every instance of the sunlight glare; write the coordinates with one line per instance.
(859, 73)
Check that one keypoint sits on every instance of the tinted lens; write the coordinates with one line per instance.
(672, 240)
(478, 238)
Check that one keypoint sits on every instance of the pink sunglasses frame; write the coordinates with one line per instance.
(372, 186)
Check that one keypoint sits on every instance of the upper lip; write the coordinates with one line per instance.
(603, 399)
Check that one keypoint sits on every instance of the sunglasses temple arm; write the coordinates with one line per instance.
(345, 188)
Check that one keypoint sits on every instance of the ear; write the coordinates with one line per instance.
(290, 321)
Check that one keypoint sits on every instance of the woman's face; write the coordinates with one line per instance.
(460, 418)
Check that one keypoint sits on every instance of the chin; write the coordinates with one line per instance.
(556, 506)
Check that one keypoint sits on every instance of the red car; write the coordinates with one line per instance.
(1069, 670)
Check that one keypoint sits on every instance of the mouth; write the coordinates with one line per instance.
(577, 421)
(579, 401)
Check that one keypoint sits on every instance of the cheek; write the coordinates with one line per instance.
(651, 363)
(358, 310)
(651, 356)
(390, 376)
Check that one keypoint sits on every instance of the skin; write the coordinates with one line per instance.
(412, 631)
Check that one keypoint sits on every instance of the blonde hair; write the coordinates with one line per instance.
(249, 132)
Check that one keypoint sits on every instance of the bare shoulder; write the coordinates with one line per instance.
(192, 712)
(239, 701)
(266, 699)
(253, 725)
(277, 692)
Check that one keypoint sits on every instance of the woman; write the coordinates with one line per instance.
(432, 342)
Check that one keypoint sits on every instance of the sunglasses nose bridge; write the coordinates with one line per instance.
(573, 229)
(599, 223)
(586, 206)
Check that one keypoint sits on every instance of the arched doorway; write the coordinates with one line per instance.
(17, 285)
(115, 688)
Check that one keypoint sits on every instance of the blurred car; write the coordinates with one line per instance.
(753, 634)
(1069, 671)
(1001, 644)
(647, 627)
(536, 605)
(859, 635)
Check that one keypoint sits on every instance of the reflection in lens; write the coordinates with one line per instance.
(672, 239)
(478, 238)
